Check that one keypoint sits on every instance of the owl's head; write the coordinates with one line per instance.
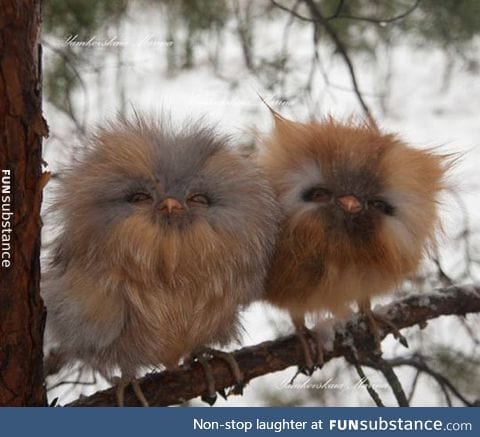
(353, 194)
(149, 198)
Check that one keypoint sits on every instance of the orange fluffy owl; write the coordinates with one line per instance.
(360, 212)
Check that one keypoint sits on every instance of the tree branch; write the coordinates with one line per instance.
(419, 363)
(174, 387)
(375, 20)
(292, 12)
(342, 50)
(366, 382)
(387, 369)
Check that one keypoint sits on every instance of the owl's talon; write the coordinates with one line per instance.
(373, 326)
(374, 320)
(310, 365)
(379, 320)
(121, 384)
(222, 393)
(209, 399)
(211, 396)
(234, 368)
(53, 403)
(307, 371)
(319, 359)
(237, 389)
(139, 393)
(403, 341)
(396, 333)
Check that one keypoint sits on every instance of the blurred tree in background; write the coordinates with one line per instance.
(363, 27)
(79, 20)
(83, 17)
(196, 19)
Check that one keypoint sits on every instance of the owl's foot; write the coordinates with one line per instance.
(304, 335)
(318, 340)
(203, 356)
(308, 367)
(374, 320)
(237, 389)
(122, 383)
(211, 397)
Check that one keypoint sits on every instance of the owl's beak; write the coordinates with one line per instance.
(349, 204)
(170, 205)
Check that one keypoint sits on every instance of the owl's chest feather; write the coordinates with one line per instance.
(167, 324)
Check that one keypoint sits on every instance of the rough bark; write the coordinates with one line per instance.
(21, 130)
(174, 387)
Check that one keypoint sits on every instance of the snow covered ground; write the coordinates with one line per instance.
(417, 108)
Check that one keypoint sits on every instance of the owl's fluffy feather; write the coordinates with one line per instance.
(325, 258)
(127, 287)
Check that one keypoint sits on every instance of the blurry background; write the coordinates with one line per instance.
(412, 64)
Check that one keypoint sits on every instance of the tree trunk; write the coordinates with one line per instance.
(22, 315)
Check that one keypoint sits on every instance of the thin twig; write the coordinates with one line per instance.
(414, 385)
(292, 12)
(366, 382)
(379, 21)
(71, 64)
(341, 48)
(338, 10)
(386, 368)
(419, 363)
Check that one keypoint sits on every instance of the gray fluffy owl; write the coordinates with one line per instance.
(165, 235)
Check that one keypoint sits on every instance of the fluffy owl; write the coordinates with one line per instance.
(360, 212)
(165, 235)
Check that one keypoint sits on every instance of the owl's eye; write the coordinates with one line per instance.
(317, 194)
(383, 206)
(199, 199)
(138, 197)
